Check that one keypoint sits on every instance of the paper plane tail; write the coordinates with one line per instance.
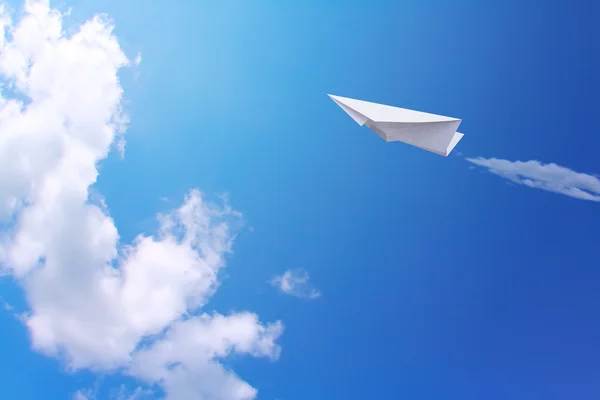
(455, 139)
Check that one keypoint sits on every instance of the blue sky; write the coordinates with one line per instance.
(426, 277)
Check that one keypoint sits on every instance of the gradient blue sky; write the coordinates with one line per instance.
(438, 280)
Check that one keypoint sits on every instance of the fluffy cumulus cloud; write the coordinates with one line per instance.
(296, 282)
(93, 301)
(550, 177)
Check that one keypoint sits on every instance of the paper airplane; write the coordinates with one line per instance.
(430, 132)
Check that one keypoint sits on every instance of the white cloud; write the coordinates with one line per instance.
(91, 299)
(296, 282)
(122, 394)
(136, 62)
(82, 395)
(550, 177)
(6, 305)
(189, 347)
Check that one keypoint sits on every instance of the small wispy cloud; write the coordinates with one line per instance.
(296, 282)
(136, 64)
(550, 177)
(6, 305)
(123, 394)
(81, 395)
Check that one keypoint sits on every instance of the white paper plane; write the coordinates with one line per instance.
(431, 132)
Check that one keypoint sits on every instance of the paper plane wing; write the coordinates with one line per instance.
(431, 132)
